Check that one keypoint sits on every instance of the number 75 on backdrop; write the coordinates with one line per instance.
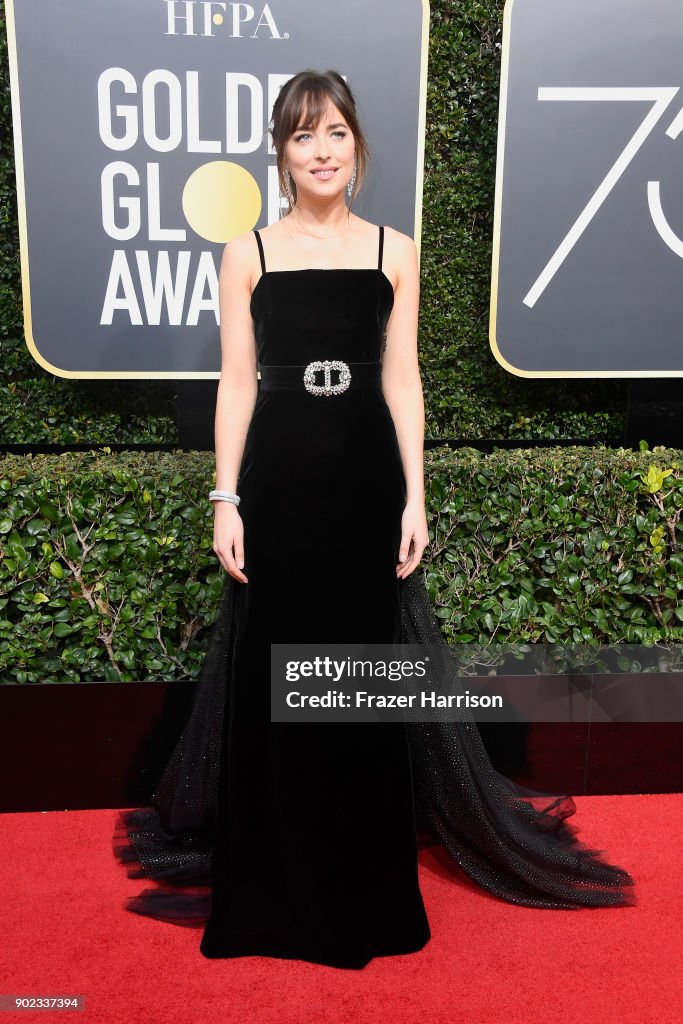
(588, 225)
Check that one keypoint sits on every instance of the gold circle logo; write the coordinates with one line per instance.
(221, 200)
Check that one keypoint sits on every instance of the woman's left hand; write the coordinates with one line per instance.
(414, 538)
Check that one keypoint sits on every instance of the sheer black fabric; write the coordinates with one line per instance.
(512, 841)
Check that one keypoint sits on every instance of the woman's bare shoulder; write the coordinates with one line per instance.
(400, 241)
(240, 260)
(245, 245)
(241, 245)
(400, 254)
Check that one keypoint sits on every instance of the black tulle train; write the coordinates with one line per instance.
(512, 841)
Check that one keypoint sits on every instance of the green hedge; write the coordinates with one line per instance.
(108, 572)
(467, 393)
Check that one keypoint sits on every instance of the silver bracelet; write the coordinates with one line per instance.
(224, 496)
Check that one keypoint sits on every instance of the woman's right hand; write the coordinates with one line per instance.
(228, 538)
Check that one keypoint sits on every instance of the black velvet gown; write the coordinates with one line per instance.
(299, 840)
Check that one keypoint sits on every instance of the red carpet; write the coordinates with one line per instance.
(64, 931)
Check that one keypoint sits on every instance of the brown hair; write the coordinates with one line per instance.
(302, 100)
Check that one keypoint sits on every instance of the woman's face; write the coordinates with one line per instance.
(330, 145)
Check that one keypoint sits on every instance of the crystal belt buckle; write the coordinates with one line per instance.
(327, 365)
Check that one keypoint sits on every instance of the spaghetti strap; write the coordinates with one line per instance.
(260, 249)
(381, 245)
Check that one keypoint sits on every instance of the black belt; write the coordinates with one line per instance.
(326, 377)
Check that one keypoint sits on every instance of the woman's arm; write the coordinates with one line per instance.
(401, 382)
(236, 396)
(237, 388)
(402, 388)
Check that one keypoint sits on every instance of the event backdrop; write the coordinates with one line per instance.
(141, 150)
(588, 238)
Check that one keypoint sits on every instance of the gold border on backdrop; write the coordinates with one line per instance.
(21, 203)
(504, 68)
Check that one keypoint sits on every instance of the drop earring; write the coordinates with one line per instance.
(288, 187)
(352, 182)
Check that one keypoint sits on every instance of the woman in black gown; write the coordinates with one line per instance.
(299, 840)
